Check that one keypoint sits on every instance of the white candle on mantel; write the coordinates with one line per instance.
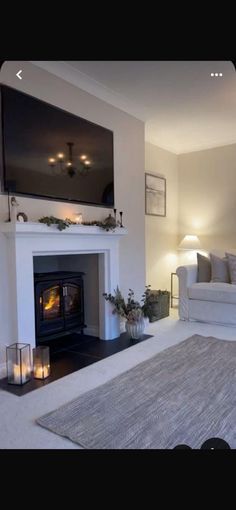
(78, 218)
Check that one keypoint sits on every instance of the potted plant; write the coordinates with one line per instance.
(129, 309)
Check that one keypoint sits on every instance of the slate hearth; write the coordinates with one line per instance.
(71, 353)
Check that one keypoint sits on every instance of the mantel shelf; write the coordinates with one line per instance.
(36, 228)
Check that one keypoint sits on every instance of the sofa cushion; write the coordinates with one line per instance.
(232, 266)
(203, 268)
(220, 292)
(219, 269)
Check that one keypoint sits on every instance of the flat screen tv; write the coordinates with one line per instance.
(52, 154)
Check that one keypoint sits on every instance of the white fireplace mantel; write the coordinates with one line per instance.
(35, 228)
(29, 239)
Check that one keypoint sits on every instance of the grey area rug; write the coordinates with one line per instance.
(184, 394)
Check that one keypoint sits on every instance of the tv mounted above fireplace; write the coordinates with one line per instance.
(53, 154)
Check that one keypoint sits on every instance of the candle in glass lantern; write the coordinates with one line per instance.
(41, 362)
(17, 374)
(18, 363)
(41, 372)
(21, 373)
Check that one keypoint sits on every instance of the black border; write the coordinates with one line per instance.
(2, 152)
(4, 189)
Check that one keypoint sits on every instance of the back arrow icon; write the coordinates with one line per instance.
(18, 74)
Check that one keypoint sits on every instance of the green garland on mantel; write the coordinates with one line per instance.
(63, 224)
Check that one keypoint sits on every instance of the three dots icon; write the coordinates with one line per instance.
(216, 74)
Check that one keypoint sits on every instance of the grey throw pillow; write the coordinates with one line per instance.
(219, 269)
(232, 267)
(203, 268)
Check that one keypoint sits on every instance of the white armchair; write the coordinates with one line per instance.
(205, 301)
(187, 276)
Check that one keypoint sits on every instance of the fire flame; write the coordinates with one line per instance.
(52, 302)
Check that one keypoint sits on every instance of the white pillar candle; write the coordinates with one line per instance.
(41, 372)
(20, 373)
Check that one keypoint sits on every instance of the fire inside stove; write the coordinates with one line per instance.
(51, 303)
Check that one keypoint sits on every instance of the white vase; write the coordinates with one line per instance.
(122, 325)
(146, 322)
(135, 329)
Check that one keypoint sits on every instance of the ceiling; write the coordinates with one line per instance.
(183, 106)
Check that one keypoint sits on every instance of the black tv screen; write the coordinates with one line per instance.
(50, 153)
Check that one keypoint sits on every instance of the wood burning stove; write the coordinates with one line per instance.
(59, 304)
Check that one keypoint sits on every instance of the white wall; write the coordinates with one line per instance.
(201, 190)
(128, 168)
(207, 191)
(162, 232)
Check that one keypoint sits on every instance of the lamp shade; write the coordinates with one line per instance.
(189, 242)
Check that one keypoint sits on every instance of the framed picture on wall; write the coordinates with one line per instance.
(155, 195)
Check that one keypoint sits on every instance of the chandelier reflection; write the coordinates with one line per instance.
(66, 165)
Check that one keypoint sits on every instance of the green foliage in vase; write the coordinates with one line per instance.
(135, 315)
(130, 309)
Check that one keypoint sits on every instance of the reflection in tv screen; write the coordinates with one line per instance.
(50, 153)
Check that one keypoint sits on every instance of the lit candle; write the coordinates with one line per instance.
(16, 374)
(20, 373)
(79, 218)
(41, 372)
(41, 362)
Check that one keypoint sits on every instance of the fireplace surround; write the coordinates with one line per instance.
(23, 241)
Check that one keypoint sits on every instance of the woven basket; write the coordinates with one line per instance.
(158, 305)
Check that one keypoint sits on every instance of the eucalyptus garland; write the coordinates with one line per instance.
(52, 220)
(63, 224)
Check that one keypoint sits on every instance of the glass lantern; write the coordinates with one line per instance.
(41, 362)
(18, 363)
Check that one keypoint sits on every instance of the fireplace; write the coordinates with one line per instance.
(22, 242)
(59, 304)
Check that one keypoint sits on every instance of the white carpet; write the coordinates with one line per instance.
(18, 414)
